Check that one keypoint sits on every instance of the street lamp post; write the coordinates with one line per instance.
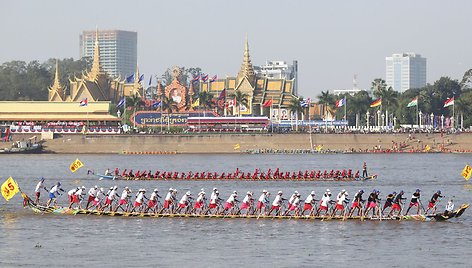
(367, 117)
(420, 114)
(383, 120)
(394, 121)
(432, 120)
(442, 121)
(378, 118)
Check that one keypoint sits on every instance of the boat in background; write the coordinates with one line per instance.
(24, 147)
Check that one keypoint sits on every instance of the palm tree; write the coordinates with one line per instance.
(326, 99)
(387, 94)
(241, 99)
(134, 102)
(296, 107)
(462, 107)
(206, 99)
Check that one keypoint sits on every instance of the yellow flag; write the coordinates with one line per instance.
(196, 103)
(237, 146)
(76, 165)
(318, 148)
(9, 189)
(466, 172)
(427, 148)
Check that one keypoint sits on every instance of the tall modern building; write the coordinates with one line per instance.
(118, 50)
(405, 71)
(278, 70)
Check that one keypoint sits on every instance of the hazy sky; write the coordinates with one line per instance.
(332, 40)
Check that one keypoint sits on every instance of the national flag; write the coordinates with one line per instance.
(341, 102)
(196, 103)
(304, 103)
(76, 165)
(267, 103)
(449, 102)
(141, 78)
(466, 172)
(213, 79)
(309, 101)
(83, 102)
(196, 78)
(413, 102)
(237, 146)
(9, 188)
(232, 103)
(204, 78)
(376, 103)
(120, 103)
(130, 79)
(150, 80)
(155, 104)
(222, 94)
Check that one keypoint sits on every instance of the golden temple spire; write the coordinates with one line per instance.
(247, 70)
(56, 86)
(96, 67)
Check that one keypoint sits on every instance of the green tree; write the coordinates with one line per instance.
(327, 100)
(206, 100)
(357, 106)
(241, 99)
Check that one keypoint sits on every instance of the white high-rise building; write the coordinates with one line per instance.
(405, 71)
(118, 50)
(279, 70)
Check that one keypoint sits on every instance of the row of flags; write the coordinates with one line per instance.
(204, 78)
(412, 103)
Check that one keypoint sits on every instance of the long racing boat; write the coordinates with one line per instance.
(75, 211)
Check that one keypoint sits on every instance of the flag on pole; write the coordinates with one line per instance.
(267, 103)
(449, 102)
(304, 103)
(196, 78)
(376, 103)
(413, 102)
(341, 102)
(150, 80)
(9, 188)
(120, 103)
(155, 104)
(76, 165)
(130, 79)
(83, 102)
(204, 78)
(232, 102)
(237, 146)
(466, 172)
(196, 103)
(141, 78)
(213, 79)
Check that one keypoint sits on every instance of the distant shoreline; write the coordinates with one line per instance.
(256, 143)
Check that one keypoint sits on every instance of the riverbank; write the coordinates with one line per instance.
(254, 143)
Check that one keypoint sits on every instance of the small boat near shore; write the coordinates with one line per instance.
(23, 147)
(66, 211)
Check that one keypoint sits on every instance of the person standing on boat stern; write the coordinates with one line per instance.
(309, 204)
(389, 201)
(449, 208)
(37, 190)
(432, 202)
(397, 204)
(364, 170)
(92, 193)
(415, 201)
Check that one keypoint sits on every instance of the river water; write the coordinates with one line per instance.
(34, 240)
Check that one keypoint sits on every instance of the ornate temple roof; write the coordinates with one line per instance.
(247, 70)
(57, 90)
